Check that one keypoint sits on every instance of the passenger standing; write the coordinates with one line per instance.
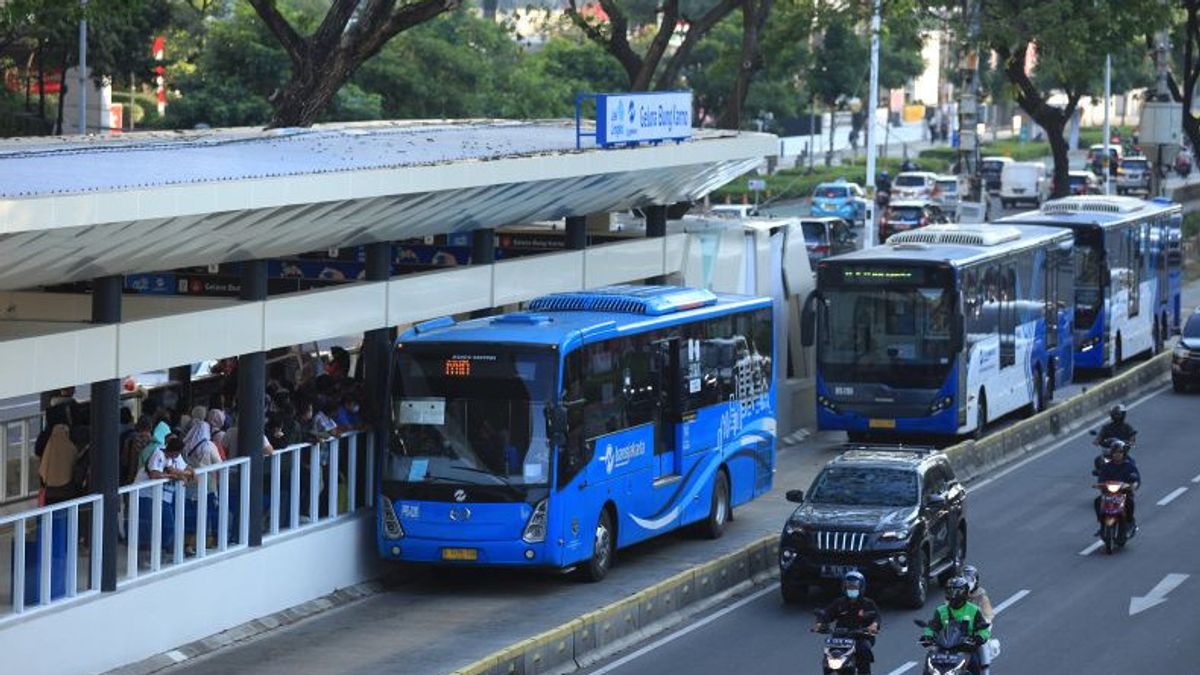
(57, 467)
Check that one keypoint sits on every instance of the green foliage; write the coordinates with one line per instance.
(797, 183)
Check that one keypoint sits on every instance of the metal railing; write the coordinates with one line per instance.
(46, 551)
(310, 483)
(17, 438)
(165, 515)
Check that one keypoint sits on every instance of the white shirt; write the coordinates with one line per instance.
(160, 462)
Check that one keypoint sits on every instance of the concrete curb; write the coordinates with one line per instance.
(645, 613)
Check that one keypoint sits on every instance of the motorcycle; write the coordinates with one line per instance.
(1183, 164)
(1104, 457)
(950, 650)
(840, 648)
(1113, 518)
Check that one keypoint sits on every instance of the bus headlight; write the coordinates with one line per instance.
(1089, 344)
(535, 529)
(827, 404)
(391, 524)
(940, 404)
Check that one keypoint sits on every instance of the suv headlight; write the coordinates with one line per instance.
(535, 529)
(1181, 352)
(391, 524)
(793, 527)
(898, 534)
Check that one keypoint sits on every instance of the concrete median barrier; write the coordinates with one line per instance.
(655, 609)
(973, 459)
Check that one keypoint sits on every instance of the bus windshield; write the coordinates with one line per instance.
(896, 335)
(1089, 268)
(471, 414)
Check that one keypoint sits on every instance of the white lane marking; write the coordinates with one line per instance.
(177, 656)
(687, 629)
(1196, 479)
(1016, 597)
(1091, 549)
(904, 668)
(1157, 595)
(1037, 455)
(1171, 496)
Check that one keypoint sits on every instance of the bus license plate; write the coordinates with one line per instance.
(460, 554)
(882, 424)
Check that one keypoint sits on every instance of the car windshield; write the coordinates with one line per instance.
(1077, 180)
(900, 336)
(865, 486)
(948, 185)
(991, 166)
(910, 181)
(1191, 330)
(471, 414)
(814, 233)
(831, 192)
(1139, 164)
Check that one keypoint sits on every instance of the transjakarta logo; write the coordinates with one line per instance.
(615, 458)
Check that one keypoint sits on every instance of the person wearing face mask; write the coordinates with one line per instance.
(855, 611)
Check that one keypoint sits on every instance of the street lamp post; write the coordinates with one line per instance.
(872, 142)
(83, 31)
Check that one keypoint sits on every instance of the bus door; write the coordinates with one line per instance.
(667, 460)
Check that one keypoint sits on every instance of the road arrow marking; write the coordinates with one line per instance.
(904, 668)
(1171, 496)
(1157, 595)
(1089, 550)
(1196, 479)
(1011, 601)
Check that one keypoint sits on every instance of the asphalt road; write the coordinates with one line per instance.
(1067, 607)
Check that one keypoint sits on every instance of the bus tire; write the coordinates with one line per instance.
(603, 548)
(981, 418)
(719, 510)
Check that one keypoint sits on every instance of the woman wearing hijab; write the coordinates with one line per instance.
(216, 426)
(200, 451)
(57, 468)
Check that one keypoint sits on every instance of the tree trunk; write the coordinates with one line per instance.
(1058, 150)
(302, 100)
(754, 16)
(832, 126)
(1051, 119)
(62, 95)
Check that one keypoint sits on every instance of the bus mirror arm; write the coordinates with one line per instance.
(556, 424)
(808, 318)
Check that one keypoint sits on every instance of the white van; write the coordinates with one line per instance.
(1024, 182)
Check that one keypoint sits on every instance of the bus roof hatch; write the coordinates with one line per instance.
(627, 299)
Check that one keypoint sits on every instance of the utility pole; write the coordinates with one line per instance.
(872, 140)
(968, 105)
(1107, 128)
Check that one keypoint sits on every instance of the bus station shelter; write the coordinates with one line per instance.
(81, 216)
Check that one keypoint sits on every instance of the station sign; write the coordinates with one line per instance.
(644, 117)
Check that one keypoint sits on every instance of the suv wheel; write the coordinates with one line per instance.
(916, 586)
(793, 595)
(719, 510)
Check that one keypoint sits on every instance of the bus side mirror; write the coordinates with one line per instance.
(808, 321)
(556, 424)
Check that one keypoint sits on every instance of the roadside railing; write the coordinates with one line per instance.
(17, 438)
(310, 483)
(179, 518)
(50, 559)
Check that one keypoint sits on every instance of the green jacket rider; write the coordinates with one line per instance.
(957, 609)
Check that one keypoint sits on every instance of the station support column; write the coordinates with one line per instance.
(483, 252)
(377, 349)
(576, 239)
(104, 421)
(251, 388)
(656, 226)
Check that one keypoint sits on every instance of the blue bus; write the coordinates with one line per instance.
(591, 421)
(941, 330)
(1128, 280)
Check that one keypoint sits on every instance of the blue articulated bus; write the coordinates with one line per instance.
(591, 421)
(942, 329)
(1128, 279)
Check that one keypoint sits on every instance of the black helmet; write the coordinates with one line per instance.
(854, 583)
(971, 575)
(1117, 413)
(957, 590)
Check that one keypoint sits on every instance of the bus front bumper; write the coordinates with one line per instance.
(466, 553)
(942, 422)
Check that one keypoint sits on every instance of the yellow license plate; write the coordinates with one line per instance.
(460, 554)
(882, 424)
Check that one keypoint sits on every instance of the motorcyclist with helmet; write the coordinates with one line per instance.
(1115, 429)
(855, 611)
(978, 596)
(1120, 468)
(958, 608)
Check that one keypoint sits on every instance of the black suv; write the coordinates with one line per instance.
(1185, 361)
(894, 513)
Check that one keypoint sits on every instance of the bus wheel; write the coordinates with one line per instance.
(719, 509)
(602, 549)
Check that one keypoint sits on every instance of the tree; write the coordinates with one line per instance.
(613, 30)
(1069, 39)
(754, 20)
(350, 33)
(1190, 70)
